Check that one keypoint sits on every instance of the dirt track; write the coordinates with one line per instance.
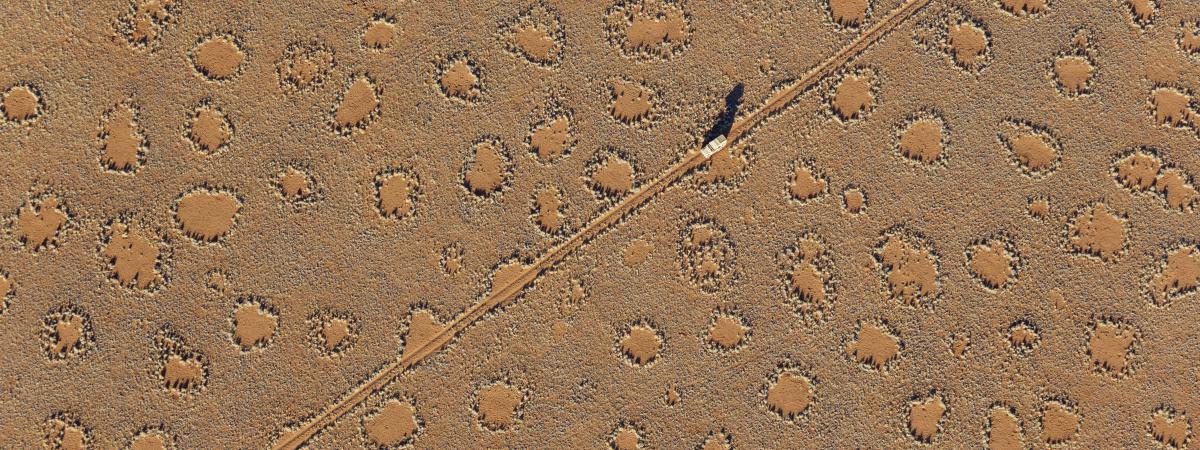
(955, 224)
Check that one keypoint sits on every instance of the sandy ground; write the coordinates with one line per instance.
(369, 224)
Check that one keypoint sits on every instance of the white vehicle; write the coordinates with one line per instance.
(713, 146)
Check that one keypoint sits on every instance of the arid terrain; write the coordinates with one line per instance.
(370, 224)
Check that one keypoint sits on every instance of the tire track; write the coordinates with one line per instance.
(506, 294)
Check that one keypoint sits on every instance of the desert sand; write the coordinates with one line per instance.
(378, 224)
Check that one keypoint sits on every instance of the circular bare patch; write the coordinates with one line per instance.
(806, 270)
(39, 223)
(151, 438)
(135, 257)
(876, 346)
(807, 182)
(727, 331)
(909, 266)
(626, 436)
(654, 29)
(218, 57)
(1059, 421)
(640, 344)
(1023, 337)
(304, 66)
(333, 333)
(706, 254)
(209, 129)
(359, 104)
(67, 332)
(489, 168)
(1170, 428)
(611, 174)
(994, 262)
(923, 138)
(1110, 346)
(854, 200)
(499, 406)
(632, 103)
(1096, 230)
(1031, 147)
(925, 414)
(789, 394)
(381, 31)
(396, 193)
(123, 142)
(392, 425)
(854, 95)
(536, 34)
(181, 369)
(460, 78)
(296, 186)
(207, 215)
(64, 431)
(22, 104)
(253, 323)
